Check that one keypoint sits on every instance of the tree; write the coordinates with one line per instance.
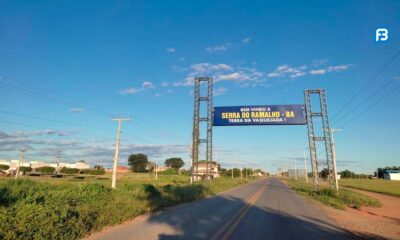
(4, 167)
(223, 172)
(66, 170)
(25, 169)
(138, 162)
(98, 167)
(324, 173)
(347, 174)
(45, 170)
(228, 172)
(175, 163)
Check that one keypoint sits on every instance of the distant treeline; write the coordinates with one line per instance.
(349, 174)
(343, 174)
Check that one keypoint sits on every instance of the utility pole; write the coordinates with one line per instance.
(287, 170)
(295, 168)
(21, 159)
(334, 157)
(241, 173)
(191, 163)
(305, 164)
(156, 170)
(58, 162)
(114, 172)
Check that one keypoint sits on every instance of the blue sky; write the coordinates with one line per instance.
(83, 62)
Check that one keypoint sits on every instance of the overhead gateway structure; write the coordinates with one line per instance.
(295, 114)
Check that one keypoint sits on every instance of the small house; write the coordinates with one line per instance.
(391, 175)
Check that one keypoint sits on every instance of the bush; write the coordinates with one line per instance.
(36, 212)
(170, 171)
(93, 171)
(43, 210)
(25, 169)
(46, 170)
(185, 173)
(69, 170)
(335, 199)
(4, 167)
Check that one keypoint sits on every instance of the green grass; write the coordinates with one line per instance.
(48, 208)
(329, 197)
(373, 185)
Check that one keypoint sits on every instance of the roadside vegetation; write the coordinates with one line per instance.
(330, 197)
(373, 185)
(56, 208)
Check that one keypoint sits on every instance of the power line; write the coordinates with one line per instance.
(372, 105)
(54, 92)
(57, 99)
(84, 134)
(367, 99)
(366, 85)
(36, 95)
(52, 120)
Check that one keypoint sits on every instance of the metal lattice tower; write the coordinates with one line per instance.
(196, 125)
(326, 138)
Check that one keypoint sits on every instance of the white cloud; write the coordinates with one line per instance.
(296, 75)
(221, 72)
(178, 69)
(246, 40)
(170, 50)
(288, 71)
(228, 77)
(133, 90)
(45, 132)
(208, 67)
(147, 84)
(24, 138)
(338, 68)
(164, 84)
(284, 71)
(273, 74)
(157, 95)
(320, 62)
(218, 48)
(130, 91)
(188, 81)
(219, 91)
(75, 110)
(318, 72)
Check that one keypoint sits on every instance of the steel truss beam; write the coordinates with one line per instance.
(326, 138)
(196, 126)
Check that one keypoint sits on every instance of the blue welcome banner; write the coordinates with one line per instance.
(259, 115)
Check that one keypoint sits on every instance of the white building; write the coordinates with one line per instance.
(202, 168)
(391, 175)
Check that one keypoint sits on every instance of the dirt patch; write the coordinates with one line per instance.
(383, 221)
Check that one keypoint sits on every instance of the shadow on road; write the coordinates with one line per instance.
(196, 221)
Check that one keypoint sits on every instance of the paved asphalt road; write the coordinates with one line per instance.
(266, 209)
